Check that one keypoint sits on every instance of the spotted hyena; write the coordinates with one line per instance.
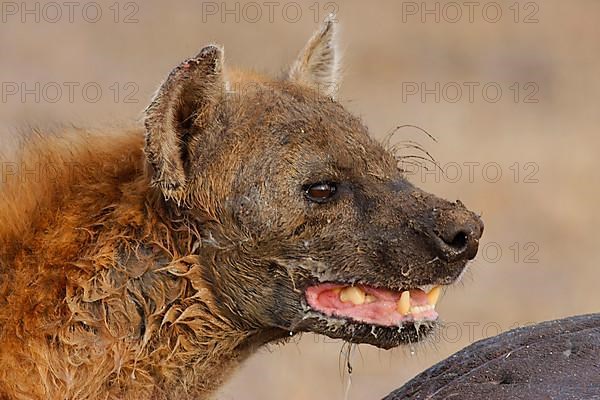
(240, 214)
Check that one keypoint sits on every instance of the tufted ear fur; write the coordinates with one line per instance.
(182, 108)
(317, 64)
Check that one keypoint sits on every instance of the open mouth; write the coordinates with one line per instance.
(374, 306)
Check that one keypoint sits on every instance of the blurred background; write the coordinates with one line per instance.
(508, 89)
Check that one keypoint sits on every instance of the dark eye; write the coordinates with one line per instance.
(320, 192)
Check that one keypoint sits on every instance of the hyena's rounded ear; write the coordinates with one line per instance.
(182, 108)
(317, 64)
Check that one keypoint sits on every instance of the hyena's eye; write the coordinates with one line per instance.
(320, 192)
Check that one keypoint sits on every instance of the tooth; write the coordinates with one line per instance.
(352, 294)
(434, 295)
(369, 298)
(404, 303)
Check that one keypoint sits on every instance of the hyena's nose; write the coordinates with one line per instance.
(456, 233)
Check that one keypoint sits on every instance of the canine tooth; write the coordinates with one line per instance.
(434, 295)
(352, 294)
(404, 303)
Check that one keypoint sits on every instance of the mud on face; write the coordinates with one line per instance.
(305, 223)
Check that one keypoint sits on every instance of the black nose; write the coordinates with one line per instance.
(456, 233)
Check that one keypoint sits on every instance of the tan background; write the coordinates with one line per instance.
(550, 212)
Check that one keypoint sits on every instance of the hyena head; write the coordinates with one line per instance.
(304, 222)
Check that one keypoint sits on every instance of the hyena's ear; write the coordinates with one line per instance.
(318, 63)
(182, 108)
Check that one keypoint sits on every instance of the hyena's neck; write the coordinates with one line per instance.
(175, 340)
(97, 291)
(150, 299)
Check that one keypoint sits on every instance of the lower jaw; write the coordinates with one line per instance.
(383, 337)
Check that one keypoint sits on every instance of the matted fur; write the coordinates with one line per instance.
(72, 301)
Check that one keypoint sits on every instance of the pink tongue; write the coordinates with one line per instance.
(383, 311)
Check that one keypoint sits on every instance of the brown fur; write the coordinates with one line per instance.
(146, 264)
(73, 303)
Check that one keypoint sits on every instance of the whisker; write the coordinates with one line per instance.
(411, 145)
(418, 128)
(422, 165)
